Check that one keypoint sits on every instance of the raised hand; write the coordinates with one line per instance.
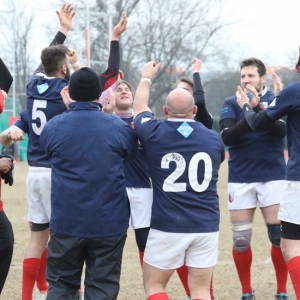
(241, 97)
(150, 69)
(277, 84)
(255, 99)
(15, 135)
(119, 28)
(109, 102)
(66, 96)
(65, 15)
(197, 63)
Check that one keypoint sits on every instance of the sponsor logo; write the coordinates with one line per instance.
(273, 103)
(42, 87)
(145, 120)
(185, 129)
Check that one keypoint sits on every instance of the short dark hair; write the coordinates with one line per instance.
(53, 57)
(186, 80)
(252, 61)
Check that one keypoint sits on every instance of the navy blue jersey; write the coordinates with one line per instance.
(88, 149)
(184, 158)
(137, 171)
(43, 103)
(22, 122)
(258, 155)
(287, 103)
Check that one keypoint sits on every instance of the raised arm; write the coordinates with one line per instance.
(202, 114)
(110, 76)
(65, 16)
(141, 99)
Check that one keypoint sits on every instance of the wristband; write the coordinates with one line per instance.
(146, 79)
(75, 64)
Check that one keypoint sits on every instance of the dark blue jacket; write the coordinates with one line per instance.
(87, 150)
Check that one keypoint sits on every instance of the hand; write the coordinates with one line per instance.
(5, 164)
(121, 75)
(65, 15)
(72, 56)
(119, 28)
(15, 135)
(109, 102)
(255, 100)
(66, 96)
(150, 69)
(241, 97)
(277, 84)
(197, 63)
(4, 94)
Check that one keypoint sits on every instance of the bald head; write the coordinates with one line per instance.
(180, 104)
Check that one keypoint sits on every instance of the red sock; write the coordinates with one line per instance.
(212, 287)
(141, 258)
(159, 296)
(30, 271)
(183, 276)
(280, 269)
(243, 262)
(293, 267)
(41, 277)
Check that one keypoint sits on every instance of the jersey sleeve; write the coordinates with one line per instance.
(145, 124)
(22, 122)
(228, 111)
(282, 104)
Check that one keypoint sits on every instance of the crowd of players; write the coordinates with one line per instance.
(89, 174)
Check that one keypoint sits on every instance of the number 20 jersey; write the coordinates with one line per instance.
(184, 158)
(43, 103)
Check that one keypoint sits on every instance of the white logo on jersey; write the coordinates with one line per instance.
(273, 103)
(145, 120)
(264, 104)
(185, 129)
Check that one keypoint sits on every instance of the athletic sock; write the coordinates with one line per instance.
(293, 267)
(41, 282)
(31, 268)
(159, 296)
(183, 276)
(243, 262)
(280, 269)
(141, 258)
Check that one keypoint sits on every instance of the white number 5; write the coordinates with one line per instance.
(38, 114)
(171, 186)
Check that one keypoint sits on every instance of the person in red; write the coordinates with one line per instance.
(6, 166)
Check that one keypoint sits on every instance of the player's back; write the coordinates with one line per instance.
(43, 103)
(184, 158)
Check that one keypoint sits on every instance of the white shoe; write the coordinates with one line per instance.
(40, 295)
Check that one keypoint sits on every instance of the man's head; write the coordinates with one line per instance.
(180, 104)
(187, 84)
(123, 96)
(253, 72)
(55, 62)
(85, 85)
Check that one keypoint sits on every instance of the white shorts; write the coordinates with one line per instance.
(168, 250)
(246, 195)
(38, 194)
(289, 210)
(140, 207)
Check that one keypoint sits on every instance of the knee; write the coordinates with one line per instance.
(242, 234)
(274, 232)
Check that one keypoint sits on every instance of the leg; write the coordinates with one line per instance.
(64, 266)
(6, 247)
(32, 260)
(155, 282)
(290, 246)
(41, 281)
(241, 221)
(103, 267)
(274, 230)
(199, 282)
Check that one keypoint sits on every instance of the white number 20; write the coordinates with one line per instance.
(171, 186)
(38, 114)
